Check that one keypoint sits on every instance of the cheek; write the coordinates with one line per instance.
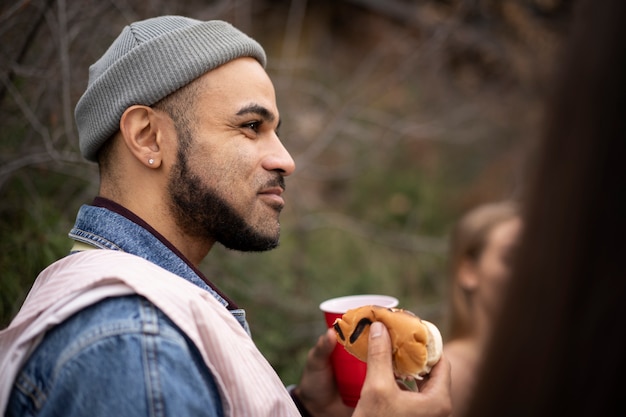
(498, 277)
(227, 168)
(495, 275)
(494, 265)
(228, 178)
(209, 173)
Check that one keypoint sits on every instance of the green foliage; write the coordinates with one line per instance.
(34, 227)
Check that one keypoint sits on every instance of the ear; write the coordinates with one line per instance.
(467, 275)
(141, 127)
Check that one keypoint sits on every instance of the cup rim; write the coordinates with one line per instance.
(340, 305)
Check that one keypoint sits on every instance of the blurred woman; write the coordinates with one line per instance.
(481, 247)
(559, 343)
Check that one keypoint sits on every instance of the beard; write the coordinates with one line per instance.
(201, 212)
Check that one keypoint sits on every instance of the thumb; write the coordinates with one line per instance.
(379, 364)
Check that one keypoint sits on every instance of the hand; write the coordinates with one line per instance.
(317, 390)
(381, 395)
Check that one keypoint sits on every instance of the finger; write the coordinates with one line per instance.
(319, 355)
(439, 376)
(379, 366)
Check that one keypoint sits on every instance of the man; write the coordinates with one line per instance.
(182, 119)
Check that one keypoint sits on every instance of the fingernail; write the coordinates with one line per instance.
(376, 329)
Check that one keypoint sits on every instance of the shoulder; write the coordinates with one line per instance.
(462, 347)
(126, 349)
(462, 355)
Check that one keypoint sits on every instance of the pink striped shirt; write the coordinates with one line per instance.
(248, 384)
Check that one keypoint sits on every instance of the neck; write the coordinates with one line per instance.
(192, 250)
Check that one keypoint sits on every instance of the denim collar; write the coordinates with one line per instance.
(107, 225)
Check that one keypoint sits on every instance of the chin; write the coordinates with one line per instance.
(251, 239)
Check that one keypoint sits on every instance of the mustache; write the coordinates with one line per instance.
(277, 181)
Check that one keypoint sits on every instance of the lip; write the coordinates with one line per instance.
(273, 195)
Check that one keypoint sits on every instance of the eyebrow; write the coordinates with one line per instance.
(258, 110)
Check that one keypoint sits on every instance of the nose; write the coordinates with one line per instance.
(279, 159)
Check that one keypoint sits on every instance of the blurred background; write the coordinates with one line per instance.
(400, 114)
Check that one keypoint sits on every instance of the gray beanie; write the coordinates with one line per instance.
(148, 61)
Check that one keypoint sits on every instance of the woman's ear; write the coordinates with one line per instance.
(468, 275)
(139, 126)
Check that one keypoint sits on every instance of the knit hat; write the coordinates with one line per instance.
(149, 60)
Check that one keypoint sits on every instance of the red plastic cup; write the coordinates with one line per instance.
(349, 370)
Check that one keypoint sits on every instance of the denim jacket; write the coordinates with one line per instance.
(121, 356)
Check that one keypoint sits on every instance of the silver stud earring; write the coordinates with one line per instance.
(151, 161)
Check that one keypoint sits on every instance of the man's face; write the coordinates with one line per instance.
(227, 182)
